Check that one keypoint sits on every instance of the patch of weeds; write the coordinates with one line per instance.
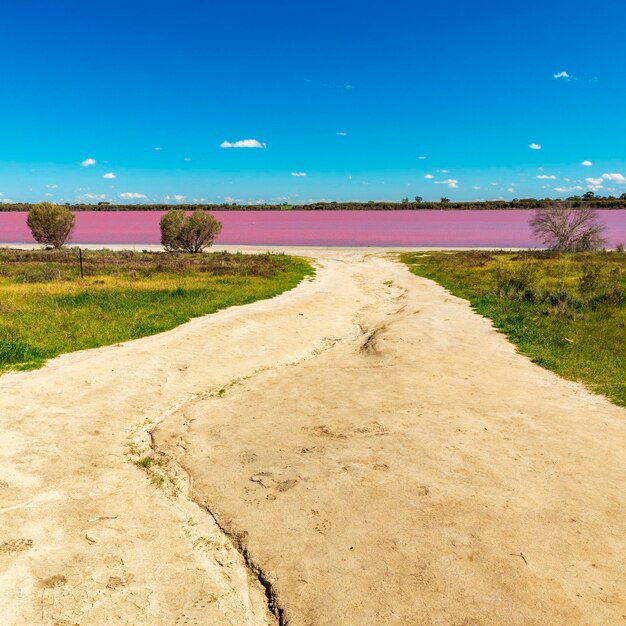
(145, 462)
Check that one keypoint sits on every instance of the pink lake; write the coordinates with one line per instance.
(321, 228)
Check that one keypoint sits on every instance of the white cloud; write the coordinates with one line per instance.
(187, 159)
(568, 189)
(342, 134)
(48, 194)
(561, 75)
(451, 182)
(587, 163)
(615, 178)
(88, 162)
(298, 174)
(596, 183)
(511, 190)
(476, 187)
(535, 146)
(157, 149)
(545, 177)
(51, 186)
(132, 195)
(175, 198)
(92, 196)
(421, 158)
(244, 143)
(442, 171)
(5, 201)
(109, 175)
(200, 200)
(429, 176)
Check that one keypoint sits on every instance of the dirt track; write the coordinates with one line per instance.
(377, 451)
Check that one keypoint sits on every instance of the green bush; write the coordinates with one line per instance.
(50, 224)
(193, 233)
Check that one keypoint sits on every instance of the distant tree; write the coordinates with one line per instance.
(589, 195)
(405, 200)
(444, 200)
(50, 224)
(623, 196)
(418, 199)
(192, 233)
(566, 229)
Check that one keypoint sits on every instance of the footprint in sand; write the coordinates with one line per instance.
(15, 545)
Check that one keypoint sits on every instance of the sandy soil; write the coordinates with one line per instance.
(375, 452)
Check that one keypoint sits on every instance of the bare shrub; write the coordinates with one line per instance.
(51, 224)
(566, 229)
(193, 233)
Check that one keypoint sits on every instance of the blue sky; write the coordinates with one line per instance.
(349, 95)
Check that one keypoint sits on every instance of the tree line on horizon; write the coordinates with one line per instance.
(587, 200)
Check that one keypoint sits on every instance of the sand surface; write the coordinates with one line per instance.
(363, 449)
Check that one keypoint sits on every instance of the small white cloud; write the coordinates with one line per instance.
(88, 162)
(51, 186)
(421, 158)
(109, 175)
(535, 146)
(200, 200)
(615, 178)
(429, 177)
(442, 171)
(594, 181)
(568, 189)
(244, 143)
(511, 190)
(587, 163)
(47, 194)
(187, 159)
(342, 134)
(545, 177)
(5, 201)
(157, 149)
(476, 187)
(298, 174)
(92, 196)
(561, 75)
(132, 195)
(451, 182)
(175, 198)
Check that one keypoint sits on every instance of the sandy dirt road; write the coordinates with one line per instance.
(376, 452)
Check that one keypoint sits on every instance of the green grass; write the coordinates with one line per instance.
(567, 312)
(46, 308)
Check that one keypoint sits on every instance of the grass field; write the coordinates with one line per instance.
(46, 308)
(567, 312)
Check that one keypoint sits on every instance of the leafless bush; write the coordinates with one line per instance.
(566, 229)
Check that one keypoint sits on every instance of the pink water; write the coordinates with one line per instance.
(321, 228)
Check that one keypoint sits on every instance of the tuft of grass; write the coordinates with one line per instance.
(123, 296)
(567, 312)
(145, 462)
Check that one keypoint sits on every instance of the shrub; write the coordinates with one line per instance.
(192, 233)
(566, 229)
(517, 282)
(619, 248)
(590, 279)
(51, 224)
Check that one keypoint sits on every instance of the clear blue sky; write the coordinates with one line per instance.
(150, 90)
